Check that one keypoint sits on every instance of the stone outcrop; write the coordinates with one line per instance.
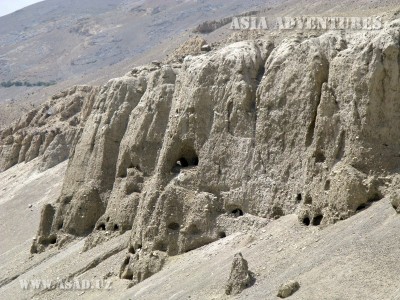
(240, 277)
(192, 46)
(181, 154)
(49, 131)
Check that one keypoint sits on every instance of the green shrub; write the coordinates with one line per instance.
(7, 84)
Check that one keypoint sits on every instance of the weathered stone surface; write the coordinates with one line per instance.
(190, 47)
(140, 265)
(288, 289)
(240, 278)
(231, 139)
(49, 131)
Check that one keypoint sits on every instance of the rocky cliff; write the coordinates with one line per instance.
(185, 154)
(48, 132)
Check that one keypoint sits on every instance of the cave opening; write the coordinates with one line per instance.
(317, 220)
(299, 197)
(174, 226)
(237, 212)
(361, 207)
(187, 158)
(221, 234)
(306, 221)
(53, 240)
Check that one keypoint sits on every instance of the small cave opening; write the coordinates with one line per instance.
(131, 249)
(361, 207)
(306, 221)
(299, 197)
(126, 261)
(185, 163)
(188, 158)
(317, 220)
(108, 219)
(221, 235)
(327, 186)
(319, 157)
(116, 227)
(174, 226)
(182, 162)
(260, 74)
(101, 226)
(52, 240)
(237, 212)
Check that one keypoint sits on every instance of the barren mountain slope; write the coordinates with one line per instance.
(71, 42)
(354, 259)
(82, 42)
(285, 148)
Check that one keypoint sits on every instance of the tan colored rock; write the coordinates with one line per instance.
(288, 289)
(32, 134)
(141, 265)
(230, 140)
(191, 47)
(240, 277)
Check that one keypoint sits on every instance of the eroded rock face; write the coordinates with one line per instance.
(48, 132)
(183, 155)
(240, 277)
(141, 265)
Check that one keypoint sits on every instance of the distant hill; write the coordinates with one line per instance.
(70, 41)
(54, 44)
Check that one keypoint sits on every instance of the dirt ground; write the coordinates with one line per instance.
(353, 259)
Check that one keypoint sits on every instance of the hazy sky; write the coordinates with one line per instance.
(9, 6)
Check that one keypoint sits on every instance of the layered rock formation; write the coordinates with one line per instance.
(185, 154)
(49, 131)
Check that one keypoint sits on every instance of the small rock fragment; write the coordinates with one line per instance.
(240, 277)
(395, 201)
(288, 289)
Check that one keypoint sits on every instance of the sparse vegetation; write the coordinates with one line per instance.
(7, 84)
